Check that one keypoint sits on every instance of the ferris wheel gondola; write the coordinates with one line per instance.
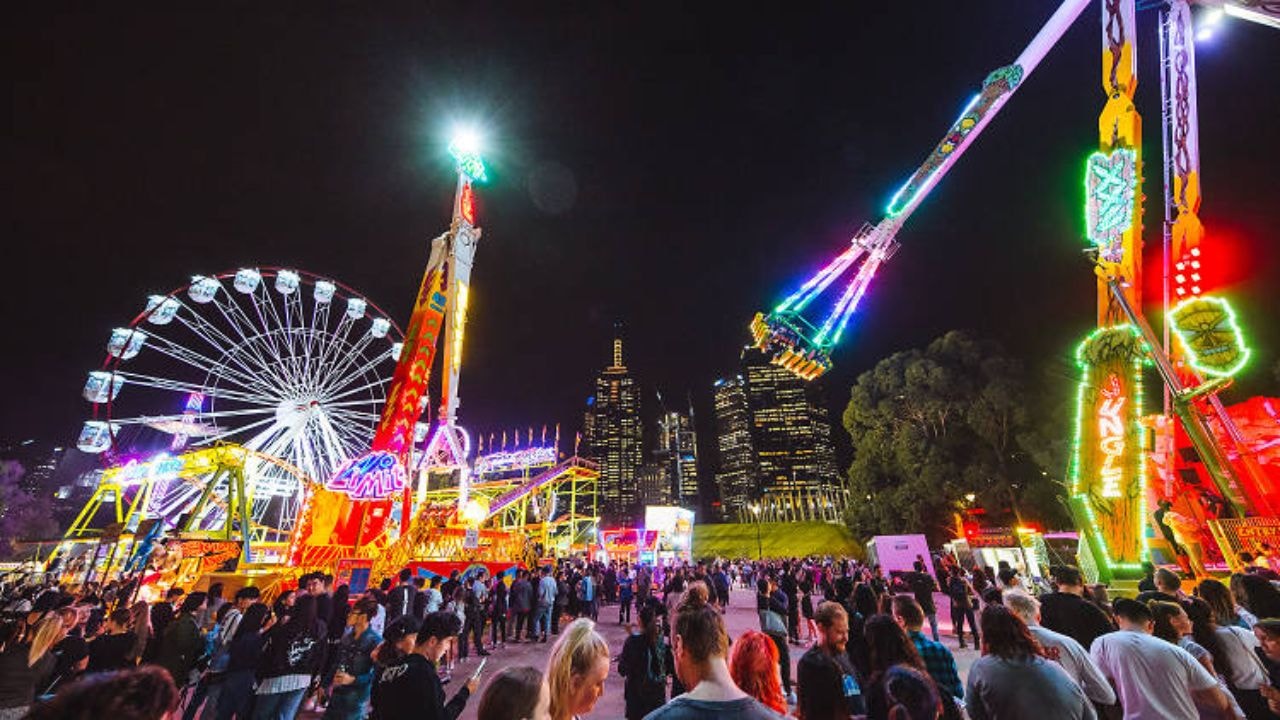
(285, 363)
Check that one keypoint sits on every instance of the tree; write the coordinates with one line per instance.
(932, 427)
(22, 514)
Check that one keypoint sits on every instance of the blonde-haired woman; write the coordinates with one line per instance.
(25, 666)
(576, 670)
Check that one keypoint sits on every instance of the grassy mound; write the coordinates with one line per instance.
(738, 540)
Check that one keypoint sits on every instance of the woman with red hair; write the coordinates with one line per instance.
(753, 664)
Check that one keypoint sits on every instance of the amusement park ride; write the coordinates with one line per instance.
(1197, 439)
(295, 445)
(328, 472)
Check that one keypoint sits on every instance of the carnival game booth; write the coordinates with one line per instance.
(674, 528)
(629, 545)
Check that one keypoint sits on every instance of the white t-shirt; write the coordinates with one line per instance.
(1073, 658)
(1153, 678)
(1238, 644)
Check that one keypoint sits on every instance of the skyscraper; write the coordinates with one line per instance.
(678, 451)
(790, 431)
(738, 469)
(784, 460)
(653, 484)
(615, 438)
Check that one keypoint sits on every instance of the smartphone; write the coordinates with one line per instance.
(476, 674)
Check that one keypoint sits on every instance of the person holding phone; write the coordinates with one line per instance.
(354, 669)
(412, 688)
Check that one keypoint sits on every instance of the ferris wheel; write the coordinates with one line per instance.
(285, 363)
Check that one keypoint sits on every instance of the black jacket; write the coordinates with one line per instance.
(411, 688)
(646, 668)
(1073, 616)
(400, 601)
(288, 652)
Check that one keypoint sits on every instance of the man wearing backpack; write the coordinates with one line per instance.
(476, 594)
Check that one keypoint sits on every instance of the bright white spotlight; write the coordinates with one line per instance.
(466, 141)
(1205, 34)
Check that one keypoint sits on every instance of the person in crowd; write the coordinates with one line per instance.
(1068, 653)
(1174, 623)
(182, 643)
(833, 634)
(1066, 611)
(235, 696)
(1168, 588)
(564, 596)
(401, 598)
(547, 601)
(1154, 680)
(283, 606)
(821, 694)
(145, 693)
(411, 687)
(1267, 631)
(626, 593)
(1237, 661)
(646, 663)
(26, 667)
(110, 650)
(700, 652)
(790, 588)
(1260, 597)
(140, 630)
(475, 595)
(245, 597)
(290, 658)
(435, 599)
(862, 605)
(71, 654)
(889, 648)
(938, 660)
(805, 587)
(497, 611)
(753, 665)
(212, 601)
(1221, 604)
(962, 596)
(1012, 680)
(161, 614)
(353, 670)
(399, 640)
(586, 588)
(771, 606)
(577, 670)
(515, 693)
(910, 694)
(922, 586)
(521, 600)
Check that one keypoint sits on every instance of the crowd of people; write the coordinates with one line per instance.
(871, 646)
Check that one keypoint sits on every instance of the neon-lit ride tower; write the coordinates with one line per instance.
(801, 331)
(361, 501)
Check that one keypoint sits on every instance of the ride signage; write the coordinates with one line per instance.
(1108, 470)
(372, 476)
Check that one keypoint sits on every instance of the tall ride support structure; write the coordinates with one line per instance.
(369, 501)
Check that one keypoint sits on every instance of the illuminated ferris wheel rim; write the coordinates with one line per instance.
(294, 408)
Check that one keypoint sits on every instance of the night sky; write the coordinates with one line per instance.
(674, 167)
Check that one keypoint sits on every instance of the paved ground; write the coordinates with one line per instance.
(740, 617)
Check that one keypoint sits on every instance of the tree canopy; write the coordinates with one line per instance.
(932, 427)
